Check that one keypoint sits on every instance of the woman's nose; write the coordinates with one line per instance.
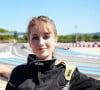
(41, 41)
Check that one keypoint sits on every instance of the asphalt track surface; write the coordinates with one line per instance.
(16, 54)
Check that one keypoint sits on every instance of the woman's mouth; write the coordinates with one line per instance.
(42, 49)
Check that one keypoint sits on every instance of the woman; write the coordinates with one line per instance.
(41, 71)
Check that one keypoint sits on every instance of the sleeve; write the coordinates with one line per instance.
(10, 86)
(81, 81)
(16, 77)
(12, 79)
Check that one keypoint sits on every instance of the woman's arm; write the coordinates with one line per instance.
(81, 81)
(5, 70)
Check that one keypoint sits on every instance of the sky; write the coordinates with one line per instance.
(70, 16)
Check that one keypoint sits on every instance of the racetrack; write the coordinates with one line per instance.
(16, 54)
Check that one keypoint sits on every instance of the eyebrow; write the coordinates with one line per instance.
(43, 33)
(47, 33)
(34, 34)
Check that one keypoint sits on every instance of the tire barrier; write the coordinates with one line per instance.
(67, 46)
(63, 46)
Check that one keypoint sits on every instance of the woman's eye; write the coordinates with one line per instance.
(35, 38)
(46, 37)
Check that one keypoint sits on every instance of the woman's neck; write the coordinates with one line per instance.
(44, 58)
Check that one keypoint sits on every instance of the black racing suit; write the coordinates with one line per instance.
(45, 75)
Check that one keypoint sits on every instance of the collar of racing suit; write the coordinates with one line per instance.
(43, 65)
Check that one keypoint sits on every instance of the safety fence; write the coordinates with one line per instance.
(69, 45)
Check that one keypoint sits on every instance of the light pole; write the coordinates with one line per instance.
(76, 33)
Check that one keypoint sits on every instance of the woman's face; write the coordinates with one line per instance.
(42, 43)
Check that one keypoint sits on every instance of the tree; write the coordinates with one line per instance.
(3, 30)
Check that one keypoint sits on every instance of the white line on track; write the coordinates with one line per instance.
(21, 56)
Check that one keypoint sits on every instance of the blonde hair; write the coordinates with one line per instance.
(44, 23)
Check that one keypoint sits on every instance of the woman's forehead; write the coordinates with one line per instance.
(41, 30)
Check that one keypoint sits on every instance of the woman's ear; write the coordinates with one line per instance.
(56, 39)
